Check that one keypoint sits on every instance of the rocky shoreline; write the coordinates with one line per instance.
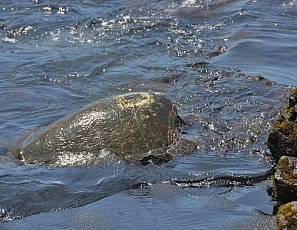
(282, 142)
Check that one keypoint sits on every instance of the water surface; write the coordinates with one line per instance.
(228, 65)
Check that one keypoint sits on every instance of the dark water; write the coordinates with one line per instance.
(207, 55)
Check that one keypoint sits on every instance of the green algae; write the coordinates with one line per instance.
(286, 123)
(285, 127)
(287, 216)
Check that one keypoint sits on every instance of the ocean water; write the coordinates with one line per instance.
(228, 65)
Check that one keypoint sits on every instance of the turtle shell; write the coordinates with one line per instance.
(128, 126)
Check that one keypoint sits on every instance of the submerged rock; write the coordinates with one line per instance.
(129, 126)
(287, 216)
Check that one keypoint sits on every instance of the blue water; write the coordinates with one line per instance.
(207, 55)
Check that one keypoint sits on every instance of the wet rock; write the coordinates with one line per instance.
(287, 216)
(129, 126)
(282, 140)
(285, 180)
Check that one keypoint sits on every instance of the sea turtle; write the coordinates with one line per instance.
(130, 126)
